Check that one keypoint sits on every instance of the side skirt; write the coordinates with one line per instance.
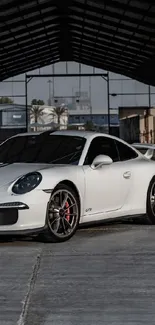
(110, 220)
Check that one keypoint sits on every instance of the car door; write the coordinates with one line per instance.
(106, 188)
(128, 158)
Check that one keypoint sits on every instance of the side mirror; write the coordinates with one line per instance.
(101, 160)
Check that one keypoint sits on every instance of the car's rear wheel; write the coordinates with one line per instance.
(63, 214)
(151, 202)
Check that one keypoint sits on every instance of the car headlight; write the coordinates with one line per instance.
(27, 183)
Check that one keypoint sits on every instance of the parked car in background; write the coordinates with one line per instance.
(147, 149)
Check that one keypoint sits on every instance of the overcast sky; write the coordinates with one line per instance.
(39, 88)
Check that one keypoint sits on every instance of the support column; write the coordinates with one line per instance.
(108, 103)
(26, 106)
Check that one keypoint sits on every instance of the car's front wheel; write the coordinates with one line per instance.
(151, 202)
(63, 214)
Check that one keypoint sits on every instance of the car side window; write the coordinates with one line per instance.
(101, 146)
(125, 152)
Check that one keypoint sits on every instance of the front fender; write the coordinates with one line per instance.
(52, 177)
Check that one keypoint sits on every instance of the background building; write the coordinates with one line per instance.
(12, 120)
(81, 103)
(137, 124)
(49, 117)
(100, 121)
(97, 119)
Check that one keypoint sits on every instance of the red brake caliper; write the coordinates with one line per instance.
(67, 211)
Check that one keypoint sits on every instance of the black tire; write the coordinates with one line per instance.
(49, 235)
(150, 207)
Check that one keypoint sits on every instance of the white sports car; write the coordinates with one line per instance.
(51, 182)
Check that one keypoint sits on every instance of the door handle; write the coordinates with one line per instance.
(127, 174)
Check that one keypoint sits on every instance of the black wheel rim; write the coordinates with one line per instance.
(62, 213)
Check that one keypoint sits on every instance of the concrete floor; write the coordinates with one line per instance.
(103, 275)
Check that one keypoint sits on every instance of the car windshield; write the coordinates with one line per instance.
(54, 149)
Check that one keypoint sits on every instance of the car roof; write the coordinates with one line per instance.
(27, 134)
(76, 133)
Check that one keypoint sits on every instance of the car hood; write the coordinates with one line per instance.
(10, 172)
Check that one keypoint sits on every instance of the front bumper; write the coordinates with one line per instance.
(24, 214)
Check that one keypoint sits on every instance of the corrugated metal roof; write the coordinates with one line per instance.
(114, 35)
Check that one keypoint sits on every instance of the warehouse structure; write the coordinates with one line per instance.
(114, 35)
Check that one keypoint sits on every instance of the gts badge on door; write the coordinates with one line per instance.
(89, 209)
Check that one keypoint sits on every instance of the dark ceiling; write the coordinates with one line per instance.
(114, 35)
